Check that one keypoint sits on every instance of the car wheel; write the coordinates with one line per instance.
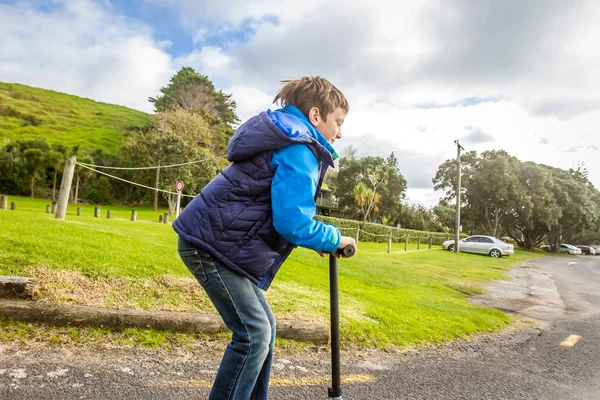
(451, 248)
(495, 253)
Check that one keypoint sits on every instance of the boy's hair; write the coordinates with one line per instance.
(308, 92)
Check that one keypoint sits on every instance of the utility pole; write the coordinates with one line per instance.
(457, 230)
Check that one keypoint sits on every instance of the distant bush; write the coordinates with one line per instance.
(101, 192)
(28, 119)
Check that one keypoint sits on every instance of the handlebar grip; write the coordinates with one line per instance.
(347, 251)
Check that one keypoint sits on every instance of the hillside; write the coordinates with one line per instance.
(29, 113)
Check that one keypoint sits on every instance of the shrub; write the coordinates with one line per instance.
(380, 233)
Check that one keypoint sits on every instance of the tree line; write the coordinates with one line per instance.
(531, 203)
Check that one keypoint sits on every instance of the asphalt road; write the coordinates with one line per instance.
(562, 293)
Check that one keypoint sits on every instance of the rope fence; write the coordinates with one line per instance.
(130, 182)
(366, 236)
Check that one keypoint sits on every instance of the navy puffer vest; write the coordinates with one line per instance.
(231, 218)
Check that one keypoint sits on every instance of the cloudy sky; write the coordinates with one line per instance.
(518, 75)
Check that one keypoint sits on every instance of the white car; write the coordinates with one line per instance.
(482, 245)
(569, 249)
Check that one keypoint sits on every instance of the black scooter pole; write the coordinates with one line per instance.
(335, 391)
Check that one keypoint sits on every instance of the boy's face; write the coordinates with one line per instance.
(331, 128)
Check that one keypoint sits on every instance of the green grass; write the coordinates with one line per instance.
(29, 113)
(386, 300)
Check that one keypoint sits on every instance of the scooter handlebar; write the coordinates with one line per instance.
(347, 251)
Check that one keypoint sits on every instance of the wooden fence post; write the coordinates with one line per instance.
(97, 211)
(108, 214)
(357, 234)
(160, 217)
(78, 211)
(13, 205)
(133, 215)
(3, 202)
(65, 188)
(390, 243)
(48, 209)
(419, 243)
(406, 242)
(430, 240)
(54, 207)
(166, 218)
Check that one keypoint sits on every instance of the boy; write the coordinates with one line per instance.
(242, 226)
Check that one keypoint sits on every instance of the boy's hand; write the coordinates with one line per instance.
(346, 241)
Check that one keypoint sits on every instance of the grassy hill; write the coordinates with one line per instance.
(30, 113)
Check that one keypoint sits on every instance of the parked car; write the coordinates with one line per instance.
(480, 244)
(586, 249)
(597, 249)
(569, 249)
(564, 249)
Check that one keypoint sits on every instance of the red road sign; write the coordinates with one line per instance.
(179, 186)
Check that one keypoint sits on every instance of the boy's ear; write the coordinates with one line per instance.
(314, 116)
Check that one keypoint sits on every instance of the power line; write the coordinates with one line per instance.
(133, 183)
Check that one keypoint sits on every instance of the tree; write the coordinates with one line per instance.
(177, 137)
(33, 162)
(376, 173)
(55, 161)
(493, 190)
(193, 92)
(578, 201)
(366, 199)
(81, 175)
(445, 214)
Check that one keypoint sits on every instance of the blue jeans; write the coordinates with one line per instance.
(246, 365)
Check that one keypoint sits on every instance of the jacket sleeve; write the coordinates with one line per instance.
(293, 200)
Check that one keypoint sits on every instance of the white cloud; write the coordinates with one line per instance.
(82, 48)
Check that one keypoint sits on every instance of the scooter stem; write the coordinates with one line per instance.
(335, 391)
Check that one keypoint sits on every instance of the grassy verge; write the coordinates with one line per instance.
(386, 300)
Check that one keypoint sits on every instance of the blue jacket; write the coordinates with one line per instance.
(252, 215)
